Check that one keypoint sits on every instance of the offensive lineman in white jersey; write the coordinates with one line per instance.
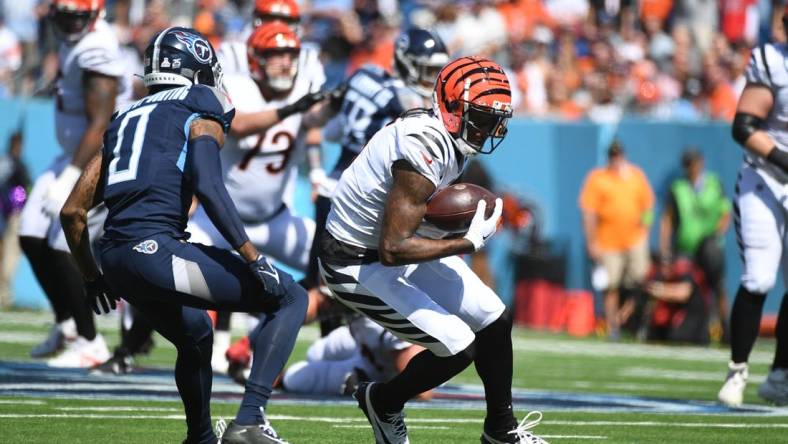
(233, 57)
(760, 219)
(416, 287)
(260, 167)
(92, 83)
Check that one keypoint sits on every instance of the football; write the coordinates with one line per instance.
(452, 208)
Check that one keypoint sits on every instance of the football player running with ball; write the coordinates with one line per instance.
(418, 288)
(157, 155)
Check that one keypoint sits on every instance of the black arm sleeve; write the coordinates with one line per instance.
(203, 165)
(744, 124)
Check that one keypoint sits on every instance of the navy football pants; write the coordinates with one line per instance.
(172, 282)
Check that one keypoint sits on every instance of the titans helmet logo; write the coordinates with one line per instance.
(198, 46)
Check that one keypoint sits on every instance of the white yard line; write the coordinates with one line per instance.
(410, 427)
(683, 375)
(349, 421)
(21, 402)
(118, 409)
(644, 351)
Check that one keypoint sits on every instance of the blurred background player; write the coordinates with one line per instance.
(375, 97)
(159, 153)
(260, 162)
(357, 352)
(759, 217)
(234, 58)
(693, 225)
(92, 83)
(417, 288)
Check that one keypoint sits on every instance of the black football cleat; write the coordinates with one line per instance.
(235, 433)
(118, 364)
(389, 427)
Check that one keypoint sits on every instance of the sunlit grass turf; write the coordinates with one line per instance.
(542, 362)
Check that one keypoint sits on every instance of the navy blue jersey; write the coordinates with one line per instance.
(145, 148)
(373, 99)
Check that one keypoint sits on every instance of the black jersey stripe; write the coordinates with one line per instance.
(437, 141)
(766, 65)
(426, 144)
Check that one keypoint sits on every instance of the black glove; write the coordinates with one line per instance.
(337, 96)
(300, 105)
(267, 275)
(98, 292)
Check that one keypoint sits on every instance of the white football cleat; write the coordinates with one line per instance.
(732, 392)
(520, 434)
(221, 342)
(56, 340)
(82, 353)
(775, 387)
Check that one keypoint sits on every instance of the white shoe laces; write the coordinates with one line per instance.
(397, 421)
(221, 426)
(522, 430)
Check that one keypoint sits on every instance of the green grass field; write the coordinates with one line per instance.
(589, 391)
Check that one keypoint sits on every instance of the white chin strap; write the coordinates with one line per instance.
(465, 148)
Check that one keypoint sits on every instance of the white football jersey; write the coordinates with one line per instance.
(260, 170)
(360, 198)
(234, 60)
(768, 66)
(98, 51)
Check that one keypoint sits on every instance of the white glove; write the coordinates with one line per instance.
(482, 229)
(60, 189)
(325, 185)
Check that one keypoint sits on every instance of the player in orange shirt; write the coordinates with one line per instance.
(617, 205)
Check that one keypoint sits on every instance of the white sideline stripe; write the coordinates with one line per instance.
(725, 425)
(410, 427)
(117, 409)
(21, 402)
(684, 375)
(573, 436)
(722, 425)
(646, 351)
(15, 337)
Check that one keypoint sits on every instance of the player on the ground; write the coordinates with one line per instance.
(418, 288)
(260, 167)
(92, 83)
(375, 97)
(759, 216)
(360, 351)
(158, 154)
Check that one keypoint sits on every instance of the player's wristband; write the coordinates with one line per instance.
(286, 111)
(779, 158)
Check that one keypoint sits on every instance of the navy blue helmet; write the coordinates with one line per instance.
(418, 57)
(182, 57)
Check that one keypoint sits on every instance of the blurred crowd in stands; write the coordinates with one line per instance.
(569, 59)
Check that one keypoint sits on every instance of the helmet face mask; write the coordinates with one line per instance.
(472, 97)
(481, 124)
(273, 51)
(276, 68)
(72, 20)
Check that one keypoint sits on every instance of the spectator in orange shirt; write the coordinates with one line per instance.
(617, 205)
(655, 9)
(721, 96)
